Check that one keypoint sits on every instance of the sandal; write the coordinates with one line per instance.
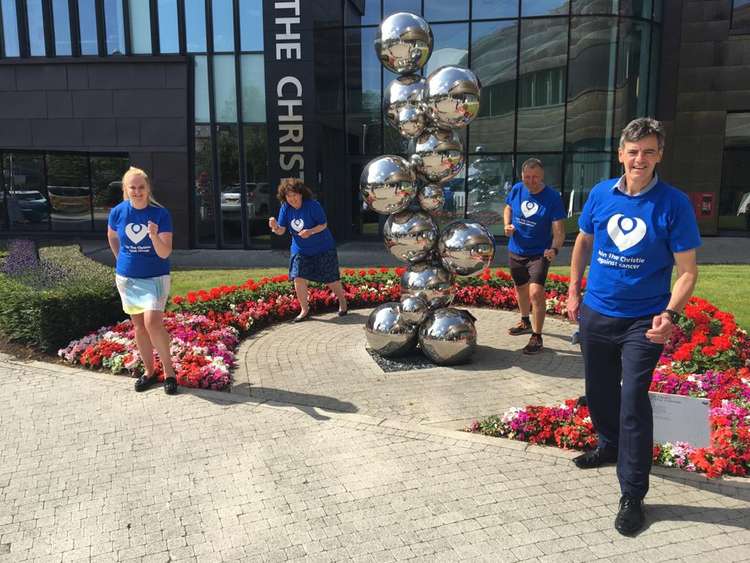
(299, 318)
(144, 382)
(170, 385)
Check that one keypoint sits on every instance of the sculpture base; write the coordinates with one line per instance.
(413, 360)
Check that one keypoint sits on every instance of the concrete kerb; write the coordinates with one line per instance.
(727, 485)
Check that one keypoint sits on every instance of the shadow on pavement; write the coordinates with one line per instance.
(487, 358)
(737, 517)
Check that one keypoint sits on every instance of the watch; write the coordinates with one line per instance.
(674, 316)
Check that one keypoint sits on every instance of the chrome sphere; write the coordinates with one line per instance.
(413, 309)
(403, 104)
(431, 197)
(405, 43)
(453, 96)
(466, 248)
(410, 235)
(441, 155)
(448, 336)
(432, 283)
(388, 184)
(388, 334)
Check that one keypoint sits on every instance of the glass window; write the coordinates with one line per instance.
(632, 71)
(251, 25)
(169, 37)
(658, 9)
(69, 192)
(115, 27)
(544, 8)
(225, 91)
(741, 14)
(582, 172)
(393, 6)
(25, 192)
(87, 27)
(594, 7)
(10, 28)
(542, 84)
(653, 79)
(231, 195)
(450, 47)
(490, 180)
(36, 28)
(223, 21)
(361, 12)
(591, 95)
(493, 59)
(195, 25)
(205, 204)
(253, 89)
(106, 181)
(260, 195)
(734, 195)
(737, 132)
(636, 8)
(61, 20)
(440, 10)
(200, 78)
(494, 9)
(363, 92)
(140, 26)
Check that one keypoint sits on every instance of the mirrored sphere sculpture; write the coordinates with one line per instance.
(387, 184)
(453, 96)
(431, 197)
(413, 309)
(466, 248)
(441, 155)
(410, 235)
(404, 44)
(448, 336)
(403, 104)
(388, 334)
(432, 283)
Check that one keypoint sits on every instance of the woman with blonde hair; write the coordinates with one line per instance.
(140, 236)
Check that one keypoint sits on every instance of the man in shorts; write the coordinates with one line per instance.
(534, 224)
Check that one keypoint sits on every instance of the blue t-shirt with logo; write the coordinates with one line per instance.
(533, 215)
(635, 238)
(310, 215)
(137, 257)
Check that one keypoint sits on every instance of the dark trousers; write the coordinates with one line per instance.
(619, 362)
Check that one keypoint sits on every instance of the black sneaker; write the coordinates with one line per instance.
(170, 385)
(534, 346)
(630, 517)
(523, 327)
(144, 382)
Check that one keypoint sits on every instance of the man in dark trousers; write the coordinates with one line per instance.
(633, 230)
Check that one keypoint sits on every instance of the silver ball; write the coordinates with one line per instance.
(410, 235)
(413, 309)
(466, 248)
(448, 336)
(441, 155)
(403, 104)
(431, 197)
(388, 334)
(387, 184)
(453, 96)
(405, 43)
(432, 283)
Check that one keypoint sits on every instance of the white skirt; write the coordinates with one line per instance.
(143, 294)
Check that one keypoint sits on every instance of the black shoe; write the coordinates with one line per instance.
(170, 385)
(144, 382)
(343, 313)
(630, 517)
(534, 346)
(595, 458)
(523, 327)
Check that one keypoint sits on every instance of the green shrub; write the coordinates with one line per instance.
(64, 297)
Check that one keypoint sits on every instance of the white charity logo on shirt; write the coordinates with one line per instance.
(298, 224)
(626, 232)
(136, 232)
(529, 208)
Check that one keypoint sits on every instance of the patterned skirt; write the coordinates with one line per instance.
(322, 268)
(143, 294)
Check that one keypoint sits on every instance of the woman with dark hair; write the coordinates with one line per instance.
(313, 249)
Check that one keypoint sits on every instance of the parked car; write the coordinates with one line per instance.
(258, 199)
(70, 199)
(28, 206)
(259, 194)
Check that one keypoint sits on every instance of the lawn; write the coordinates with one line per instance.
(725, 286)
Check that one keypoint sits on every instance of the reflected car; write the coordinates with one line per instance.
(70, 199)
(258, 199)
(27, 205)
(260, 196)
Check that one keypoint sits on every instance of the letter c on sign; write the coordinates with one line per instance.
(289, 80)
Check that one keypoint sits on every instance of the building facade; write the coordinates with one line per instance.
(218, 99)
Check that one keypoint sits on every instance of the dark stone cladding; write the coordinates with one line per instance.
(133, 105)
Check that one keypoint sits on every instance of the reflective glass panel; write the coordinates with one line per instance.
(61, 21)
(653, 79)
(169, 37)
(204, 203)
(440, 10)
(225, 92)
(594, 7)
(490, 180)
(87, 27)
(25, 192)
(658, 9)
(636, 8)
(361, 12)
(363, 93)
(451, 46)
(140, 26)
(106, 181)
(223, 21)
(632, 72)
(393, 6)
(494, 9)
(734, 194)
(251, 25)
(195, 26)
(231, 196)
(36, 28)
(541, 99)
(69, 192)
(582, 172)
(544, 7)
(253, 89)
(202, 112)
(493, 59)
(260, 194)
(10, 28)
(115, 27)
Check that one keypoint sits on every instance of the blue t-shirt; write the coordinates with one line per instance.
(533, 215)
(310, 215)
(635, 238)
(137, 257)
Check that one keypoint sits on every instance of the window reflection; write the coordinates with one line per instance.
(69, 192)
(231, 196)
(87, 27)
(25, 192)
(140, 26)
(195, 25)
(363, 92)
(594, 7)
(494, 9)
(35, 16)
(393, 6)
(632, 72)
(251, 25)
(115, 27)
(169, 38)
(200, 78)
(544, 8)
(260, 194)
(225, 92)
(451, 46)
(205, 205)
(106, 182)
(10, 29)
(636, 8)
(734, 195)
(440, 10)
(61, 21)
(582, 172)
(361, 12)
(223, 22)
(253, 89)
(490, 179)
